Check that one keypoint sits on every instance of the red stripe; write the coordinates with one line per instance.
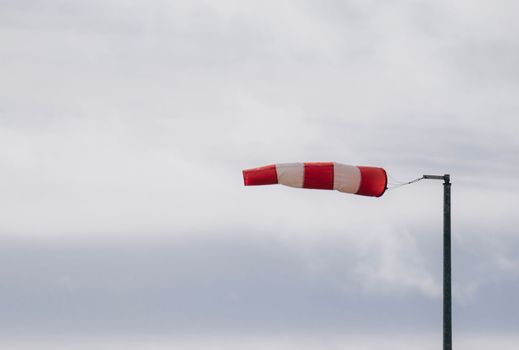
(265, 175)
(373, 181)
(318, 176)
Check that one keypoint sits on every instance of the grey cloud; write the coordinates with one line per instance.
(237, 284)
(132, 121)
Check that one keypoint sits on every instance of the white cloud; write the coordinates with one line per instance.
(123, 119)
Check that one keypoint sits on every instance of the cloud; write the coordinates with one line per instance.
(249, 282)
(124, 128)
(415, 341)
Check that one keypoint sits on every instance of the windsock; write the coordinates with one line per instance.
(361, 180)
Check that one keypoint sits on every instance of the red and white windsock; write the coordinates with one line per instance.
(362, 180)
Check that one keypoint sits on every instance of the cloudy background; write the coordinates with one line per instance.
(124, 127)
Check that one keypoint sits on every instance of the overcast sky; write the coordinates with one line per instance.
(124, 127)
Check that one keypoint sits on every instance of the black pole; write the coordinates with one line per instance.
(447, 297)
(447, 294)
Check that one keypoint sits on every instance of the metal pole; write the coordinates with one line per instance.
(447, 297)
(447, 294)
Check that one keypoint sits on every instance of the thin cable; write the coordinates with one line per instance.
(393, 180)
(394, 186)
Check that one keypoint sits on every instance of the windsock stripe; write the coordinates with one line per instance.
(373, 181)
(291, 174)
(319, 176)
(346, 178)
(265, 175)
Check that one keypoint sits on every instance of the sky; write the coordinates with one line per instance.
(124, 127)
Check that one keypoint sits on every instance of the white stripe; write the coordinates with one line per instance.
(291, 174)
(346, 178)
